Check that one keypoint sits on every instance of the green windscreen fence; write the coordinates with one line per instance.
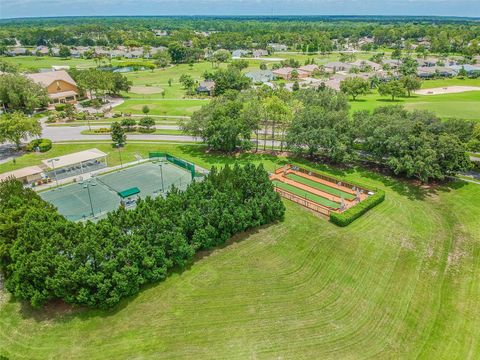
(182, 163)
(157, 155)
(174, 160)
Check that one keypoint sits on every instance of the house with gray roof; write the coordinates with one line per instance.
(260, 76)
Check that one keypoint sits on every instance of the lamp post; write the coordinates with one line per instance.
(87, 182)
(52, 161)
(161, 175)
(120, 155)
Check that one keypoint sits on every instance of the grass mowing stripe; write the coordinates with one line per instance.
(320, 186)
(309, 196)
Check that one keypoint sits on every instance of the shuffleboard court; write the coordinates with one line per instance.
(307, 195)
(75, 201)
(320, 186)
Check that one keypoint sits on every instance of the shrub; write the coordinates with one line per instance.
(60, 107)
(102, 131)
(348, 216)
(43, 145)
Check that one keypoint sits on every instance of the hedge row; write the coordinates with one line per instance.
(345, 218)
(43, 256)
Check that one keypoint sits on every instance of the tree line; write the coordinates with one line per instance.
(307, 34)
(43, 256)
(317, 123)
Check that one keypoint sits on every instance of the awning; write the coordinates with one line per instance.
(129, 192)
(63, 94)
(21, 173)
(74, 159)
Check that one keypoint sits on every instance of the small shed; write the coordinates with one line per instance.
(26, 175)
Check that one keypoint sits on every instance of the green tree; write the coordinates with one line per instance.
(128, 124)
(354, 86)
(146, 124)
(411, 83)
(16, 127)
(221, 56)
(392, 88)
(295, 86)
(64, 52)
(20, 93)
(162, 58)
(186, 81)
(145, 109)
(221, 125)
(263, 66)
(118, 134)
(322, 126)
(229, 79)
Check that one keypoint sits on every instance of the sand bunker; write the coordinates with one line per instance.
(447, 90)
(146, 89)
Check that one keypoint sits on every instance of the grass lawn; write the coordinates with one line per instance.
(35, 63)
(320, 186)
(400, 282)
(462, 105)
(175, 107)
(307, 195)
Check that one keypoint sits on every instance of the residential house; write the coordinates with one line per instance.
(260, 76)
(117, 53)
(42, 50)
(239, 53)
(310, 68)
(470, 69)
(17, 51)
(335, 66)
(160, 33)
(286, 73)
(365, 64)
(426, 72)
(393, 63)
(278, 47)
(427, 62)
(259, 53)
(61, 88)
(206, 87)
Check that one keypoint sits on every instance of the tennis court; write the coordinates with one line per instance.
(101, 193)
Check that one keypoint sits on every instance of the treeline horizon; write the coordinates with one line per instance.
(316, 18)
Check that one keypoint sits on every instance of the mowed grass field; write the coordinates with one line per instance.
(401, 282)
(461, 105)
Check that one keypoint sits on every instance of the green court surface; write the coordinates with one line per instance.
(151, 178)
(320, 186)
(307, 195)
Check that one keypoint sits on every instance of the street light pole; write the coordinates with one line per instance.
(90, 197)
(120, 155)
(54, 171)
(161, 175)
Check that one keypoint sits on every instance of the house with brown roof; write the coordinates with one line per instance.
(60, 86)
(310, 68)
(286, 73)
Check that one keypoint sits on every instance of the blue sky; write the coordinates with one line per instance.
(30, 8)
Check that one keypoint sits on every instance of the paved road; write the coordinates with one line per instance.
(74, 133)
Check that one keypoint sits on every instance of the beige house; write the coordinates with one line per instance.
(286, 73)
(60, 86)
